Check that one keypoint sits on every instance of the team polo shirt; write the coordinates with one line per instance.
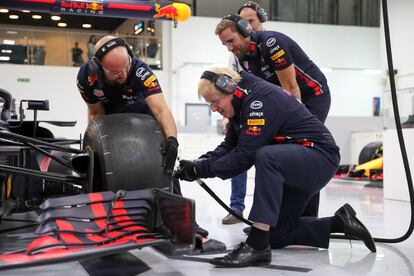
(264, 115)
(273, 51)
(126, 98)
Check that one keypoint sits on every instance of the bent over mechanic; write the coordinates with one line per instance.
(114, 81)
(294, 154)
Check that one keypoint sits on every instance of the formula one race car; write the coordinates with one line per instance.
(100, 195)
(370, 164)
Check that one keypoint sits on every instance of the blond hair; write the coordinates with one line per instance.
(206, 87)
(224, 24)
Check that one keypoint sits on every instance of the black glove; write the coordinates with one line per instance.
(186, 171)
(170, 154)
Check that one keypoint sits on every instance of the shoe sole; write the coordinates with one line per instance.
(259, 263)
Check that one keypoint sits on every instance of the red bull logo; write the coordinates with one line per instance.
(168, 11)
(94, 7)
(253, 130)
(92, 78)
(76, 6)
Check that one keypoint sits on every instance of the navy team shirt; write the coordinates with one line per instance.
(273, 51)
(265, 114)
(126, 98)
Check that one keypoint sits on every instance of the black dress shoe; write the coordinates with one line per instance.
(354, 227)
(244, 255)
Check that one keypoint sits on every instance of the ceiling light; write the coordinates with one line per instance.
(8, 42)
(11, 32)
(25, 11)
(55, 17)
(62, 24)
(36, 16)
(86, 26)
(4, 10)
(13, 16)
(3, 58)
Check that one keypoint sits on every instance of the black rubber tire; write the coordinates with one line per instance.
(127, 150)
(370, 152)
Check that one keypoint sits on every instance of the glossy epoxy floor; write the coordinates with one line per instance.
(384, 218)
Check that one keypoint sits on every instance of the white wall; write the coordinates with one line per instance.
(401, 21)
(58, 85)
(346, 50)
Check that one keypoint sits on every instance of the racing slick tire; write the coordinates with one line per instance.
(127, 152)
(370, 152)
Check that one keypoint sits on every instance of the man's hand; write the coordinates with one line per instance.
(170, 154)
(186, 171)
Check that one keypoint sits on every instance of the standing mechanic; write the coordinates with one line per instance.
(114, 81)
(256, 16)
(278, 59)
(294, 154)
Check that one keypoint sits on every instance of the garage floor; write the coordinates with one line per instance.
(384, 218)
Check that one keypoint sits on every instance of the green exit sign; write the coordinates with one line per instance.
(23, 79)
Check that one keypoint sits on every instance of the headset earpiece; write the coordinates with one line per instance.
(95, 62)
(243, 26)
(129, 50)
(222, 82)
(261, 13)
(94, 65)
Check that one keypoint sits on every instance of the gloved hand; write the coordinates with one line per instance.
(186, 170)
(170, 154)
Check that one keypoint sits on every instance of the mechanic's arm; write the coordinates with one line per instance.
(95, 110)
(162, 114)
(287, 78)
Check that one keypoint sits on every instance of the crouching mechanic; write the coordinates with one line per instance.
(295, 157)
(114, 81)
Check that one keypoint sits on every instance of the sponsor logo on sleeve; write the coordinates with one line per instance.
(98, 93)
(280, 61)
(274, 49)
(278, 55)
(142, 73)
(255, 122)
(253, 130)
(270, 42)
(79, 85)
(153, 87)
(256, 114)
(150, 80)
(256, 105)
(268, 74)
(92, 78)
(264, 68)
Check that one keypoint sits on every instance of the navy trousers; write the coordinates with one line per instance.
(318, 106)
(287, 176)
